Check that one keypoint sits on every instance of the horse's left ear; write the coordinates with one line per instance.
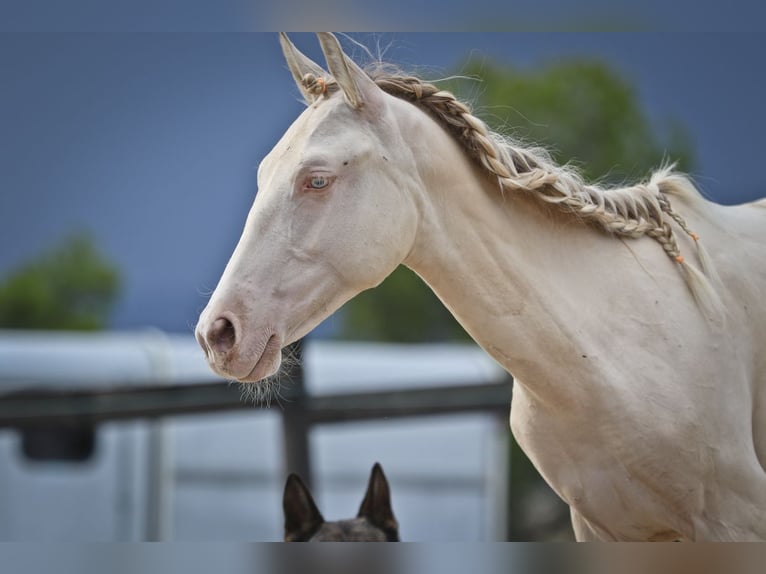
(357, 86)
(300, 65)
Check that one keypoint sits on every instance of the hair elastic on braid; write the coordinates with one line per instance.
(314, 85)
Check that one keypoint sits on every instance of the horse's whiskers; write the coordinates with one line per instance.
(271, 388)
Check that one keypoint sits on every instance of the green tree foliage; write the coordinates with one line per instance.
(70, 287)
(584, 113)
(401, 309)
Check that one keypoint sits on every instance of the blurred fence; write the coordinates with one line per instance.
(51, 418)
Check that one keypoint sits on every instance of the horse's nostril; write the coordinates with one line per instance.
(221, 335)
(202, 343)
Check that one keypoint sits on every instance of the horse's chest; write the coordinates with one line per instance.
(602, 467)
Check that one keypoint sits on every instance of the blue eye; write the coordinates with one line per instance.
(318, 182)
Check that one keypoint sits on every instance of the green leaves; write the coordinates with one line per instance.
(583, 112)
(70, 287)
(401, 309)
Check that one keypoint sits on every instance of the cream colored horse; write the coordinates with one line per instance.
(640, 389)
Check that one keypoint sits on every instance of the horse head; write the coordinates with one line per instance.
(334, 215)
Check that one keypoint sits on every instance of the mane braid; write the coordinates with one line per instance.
(642, 209)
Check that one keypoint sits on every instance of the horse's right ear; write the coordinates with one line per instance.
(358, 88)
(300, 65)
(302, 517)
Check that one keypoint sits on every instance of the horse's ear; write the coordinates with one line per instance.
(357, 86)
(376, 506)
(300, 65)
(302, 517)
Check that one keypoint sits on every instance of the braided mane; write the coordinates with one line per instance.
(634, 211)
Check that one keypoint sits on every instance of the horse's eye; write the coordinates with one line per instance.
(318, 182)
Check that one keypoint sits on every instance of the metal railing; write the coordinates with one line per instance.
(56, 409)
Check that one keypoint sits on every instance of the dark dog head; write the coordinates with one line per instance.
(375, 521)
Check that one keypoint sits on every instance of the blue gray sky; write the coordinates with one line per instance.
(433, 15)
(151, 141)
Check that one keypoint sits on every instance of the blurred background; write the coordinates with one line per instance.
(127, 168)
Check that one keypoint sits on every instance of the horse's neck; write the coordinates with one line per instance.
(506, 268)
(477, 264)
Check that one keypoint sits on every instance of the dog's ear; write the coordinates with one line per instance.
(302, 517)
(376, 506)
